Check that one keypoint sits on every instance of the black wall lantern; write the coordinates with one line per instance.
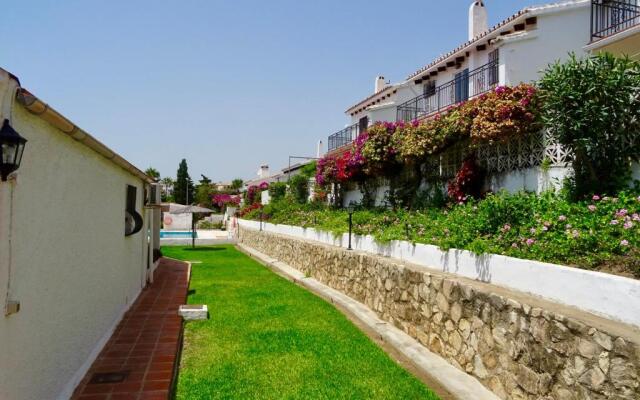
(12, 147)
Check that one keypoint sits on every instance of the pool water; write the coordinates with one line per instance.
(177, 234)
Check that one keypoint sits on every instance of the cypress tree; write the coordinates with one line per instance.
(183, 190)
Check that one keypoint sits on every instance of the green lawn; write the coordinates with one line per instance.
(267, 338)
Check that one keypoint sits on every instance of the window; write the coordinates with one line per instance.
(132, 220)
(429, 88)
(363, 124)
(494, 67)
(462, 85)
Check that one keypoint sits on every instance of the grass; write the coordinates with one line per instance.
(267, 338)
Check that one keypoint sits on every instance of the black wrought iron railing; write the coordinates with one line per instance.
(343, 137)
(609, 17)
(463, 87)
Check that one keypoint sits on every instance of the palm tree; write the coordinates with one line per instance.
(152, 172)
(167, 187)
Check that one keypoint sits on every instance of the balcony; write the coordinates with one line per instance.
(343, 137)
(464, 86)
(609, 17)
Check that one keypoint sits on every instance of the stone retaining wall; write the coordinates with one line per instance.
(513, 345)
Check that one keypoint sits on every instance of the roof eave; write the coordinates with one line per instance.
(42, 110)
(528, 12)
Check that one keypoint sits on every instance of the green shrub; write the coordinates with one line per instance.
(277, 190)
(592, 107)
(299, 187)
(209, 225)
(588, 234)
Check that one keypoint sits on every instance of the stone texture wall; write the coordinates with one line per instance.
(514, 347)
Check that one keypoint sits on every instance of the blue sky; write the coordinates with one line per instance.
(228, 85)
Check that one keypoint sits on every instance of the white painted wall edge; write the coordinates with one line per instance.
(607, 295)
(69, 388)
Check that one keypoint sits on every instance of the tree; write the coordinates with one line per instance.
(205, 180)
(168, 181)
(152, 172)
(299, 186)
(167, 188)
(183, 191)
(203, 192)
(203, 195)
(277, 190)
(236, 184)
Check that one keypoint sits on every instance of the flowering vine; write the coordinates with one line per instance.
(498, 115)
(467, 182)
(222, 200)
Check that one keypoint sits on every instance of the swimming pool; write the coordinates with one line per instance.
(178, 234)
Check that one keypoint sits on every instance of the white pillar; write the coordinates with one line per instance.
(151, 243)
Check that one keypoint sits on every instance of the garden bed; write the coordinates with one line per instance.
(601, 234)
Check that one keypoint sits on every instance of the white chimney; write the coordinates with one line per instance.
(477, 19)
(380, 84)
(263, 172)
(319, 149)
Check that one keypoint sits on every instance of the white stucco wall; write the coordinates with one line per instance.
(265, 198)
(354, 196)
(531, 179)
(177, 222)
(72, 269)
(603, 294)
(523, 58)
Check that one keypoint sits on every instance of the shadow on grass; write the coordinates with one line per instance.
(206, 248)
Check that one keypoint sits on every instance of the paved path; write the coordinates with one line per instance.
(145, 344)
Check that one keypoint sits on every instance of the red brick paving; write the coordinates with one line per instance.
(145, 343)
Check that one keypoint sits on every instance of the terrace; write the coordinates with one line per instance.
(466, 85)
(343, 137)
(611, 17)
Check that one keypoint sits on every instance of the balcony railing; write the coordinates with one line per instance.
(463, 87)
(609, 17)
(343, 137)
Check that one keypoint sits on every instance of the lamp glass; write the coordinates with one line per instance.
(19, 153)
(8, 153)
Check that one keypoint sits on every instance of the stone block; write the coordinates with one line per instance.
(191, 312)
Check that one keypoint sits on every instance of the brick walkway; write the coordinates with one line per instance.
(145, 345)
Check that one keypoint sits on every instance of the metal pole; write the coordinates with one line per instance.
(260, 221)
(350, 229)
(193, 232)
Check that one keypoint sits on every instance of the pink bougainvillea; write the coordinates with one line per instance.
(467, 182)
(251, 196)
(385, 146)
(222, 200)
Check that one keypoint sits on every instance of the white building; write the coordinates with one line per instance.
(78, 229)
(513, 51)
(615, 27)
